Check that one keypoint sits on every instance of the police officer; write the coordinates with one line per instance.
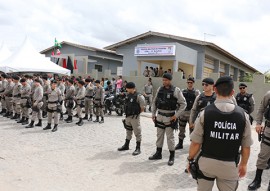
(79, 98)
(245, 100)
(25, 101)
(8, 97)
(168, 103)
(220, 126)
(134, 106)
(2, 89)
(62, 88)
(207, 97)
(69, 103)
(54, 99)
(148, 93)
(88, 101)
(37, 104)
(264, 155)
(99, 102)
(190, 93)
(16, 97)
(46, 90)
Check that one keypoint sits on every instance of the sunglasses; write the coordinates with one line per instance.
(205, 84)
(242, 88)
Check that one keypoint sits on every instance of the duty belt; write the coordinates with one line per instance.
(52, 101)
(25, 97)
(98, 99)
(16, 96)
(166, 114)
(218, 158)
(89, 96)
(2, 91)
(267, 123)
(148, 93)
(9, 95)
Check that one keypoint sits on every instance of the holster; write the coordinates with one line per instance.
(174, 124)
(28, 103)
(35, 108)
(126, 126)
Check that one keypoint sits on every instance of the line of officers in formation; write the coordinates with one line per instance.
(219, 123)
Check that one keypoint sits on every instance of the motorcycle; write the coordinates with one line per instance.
(119, 103)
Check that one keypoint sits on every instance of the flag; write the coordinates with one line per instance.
(64, 63)
(69, 65)
(57, 44)
(52, 53)
(75, 65)
(58, 52)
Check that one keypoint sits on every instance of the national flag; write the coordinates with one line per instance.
(75, 65)
(57, 44)
(64, 63)
(58, 52)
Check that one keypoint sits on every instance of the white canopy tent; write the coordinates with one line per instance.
(27, 59)
(4, 52)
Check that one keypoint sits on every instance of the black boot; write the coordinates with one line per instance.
(66, 113)
(80, 123)
(179, 145)
(14, 116)
(44, 114)
(268, 189)
(257, 180)
(61, 116)
(10, 115)
(85, 117)
(138, 149)
(39, 124)
(157, 155)
(47, 127)
(31, 125)
(22, 120)
(97, 119)
(125, 146)
(54, 128)
(268, 164)
(76, 115)
(171, 159)
(25, 122)
(2, 112)
(150, 108)
(69, 119)
(90, 118)
(102, 120)
(6, 114)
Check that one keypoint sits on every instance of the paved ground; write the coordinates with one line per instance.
(86, 158)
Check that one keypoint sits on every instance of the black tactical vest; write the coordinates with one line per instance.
(204, 100)
(165, 99)
(223, 133)
(132, 107)
(190, 97)
(243, 101)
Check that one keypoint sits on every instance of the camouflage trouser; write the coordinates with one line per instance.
(98, 108)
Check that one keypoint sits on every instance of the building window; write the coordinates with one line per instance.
(98, 68)
(207, 72)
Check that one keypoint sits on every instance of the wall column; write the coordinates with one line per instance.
(227, 69)
(216, 66)
(235, 74)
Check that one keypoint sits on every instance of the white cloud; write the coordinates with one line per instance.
(241, 27)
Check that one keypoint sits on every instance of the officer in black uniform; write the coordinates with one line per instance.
(220, 126)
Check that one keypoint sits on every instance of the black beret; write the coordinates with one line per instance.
(242, 85)
(191, 79)
(37, 80)
(4, 75)
(59, 79)
(224, 79)
(81, 82)
(15, 77)
(44, 77)
(167, 76)
(70, 81)
(54, 82)
(8, 76)
(208, 81)
(97, 81)
(130, 85)
(87, 80)
(23, 80)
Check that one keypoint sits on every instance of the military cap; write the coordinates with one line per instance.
(97, 81)
(8, 77)
(191, 79)
(45, 77)
(208, 81)
(15, 77)
(167, 76)
(87, 80)
(59, 79)
(37, 80)
(130, 85)
(81, 82)
(70, 81)
(53, 82)
(242, 85)
(23, 80)
(223, 80)
(4, 75)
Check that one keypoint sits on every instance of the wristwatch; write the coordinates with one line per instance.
(189, 159)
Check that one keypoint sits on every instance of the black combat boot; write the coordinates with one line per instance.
(125, 146)
(2, 112)
(47, 127)
(25, 122)
(85, 117)
(31, 125)
(66, 113)
(6, 114)
(80, 123)
(268, 164)
(10, 115)
(138, 149)
(257, 180)
(157, 155)
(150, 108)
(61, 116)
(22, 120)
(179, 145)
(39, 124)
(97, 119)
(268, 189)
(14, 116)
(90, 118)
(44, 114)
(69, 119)
(171, 159)
(102, 120)
(18, 117)
(54, 128)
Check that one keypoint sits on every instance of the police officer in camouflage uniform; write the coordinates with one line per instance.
(69, 103)
(46, 90)
(264, 155)
(37, 104)
(8, 97)
(190, 93)
(148, 93)
(168, 104)
(62, 88)
(88, 101)
(25, 101)
(99, 102)
(220, 130)
(79, 98)
(2, 89)
(54, 99)
(134, 106)
(16, 97)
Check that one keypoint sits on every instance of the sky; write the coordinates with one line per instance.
(241, 27)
